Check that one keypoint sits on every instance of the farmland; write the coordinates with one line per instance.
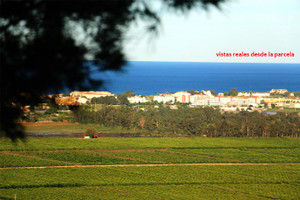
(150, 168)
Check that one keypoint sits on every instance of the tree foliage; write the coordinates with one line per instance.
(44, 45)
(297, 94)
(192, 91)
(108, 100)
(196, 122)
(213, 92)
(123, 97)
(233, 92)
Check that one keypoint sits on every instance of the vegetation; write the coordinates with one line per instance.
(297, 94)
(274, 181)
(65, 143)
(108, 100)
(194, 121)
(91, 132)
(172, 182)
(213, 92)
(233, 92)
(27, 27)
(192, 91)
(63, 127)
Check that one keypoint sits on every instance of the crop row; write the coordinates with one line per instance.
(19, 160)
(143, 156)
(176, 191)
(169, 182)
(273, 174)
(59, 143)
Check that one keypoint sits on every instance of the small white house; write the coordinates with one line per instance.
(207, 102)
(164, 98)
(137, 99)
(82, 100)
(183, 97)
(261, 94)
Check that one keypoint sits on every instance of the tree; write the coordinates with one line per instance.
(45, 45)
(213, 92)
(233, 92)
(66, 94)
(297, 94)
(192, 91)
(287, 94)
(108, 100)
(128, 93)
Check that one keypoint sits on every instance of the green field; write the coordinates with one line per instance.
(62, 127)
(150, 168)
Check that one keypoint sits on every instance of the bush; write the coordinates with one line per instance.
(51, 111)
(90, 132)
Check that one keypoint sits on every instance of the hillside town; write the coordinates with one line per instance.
(233, 101)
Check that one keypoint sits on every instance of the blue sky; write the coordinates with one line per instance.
(244, 25)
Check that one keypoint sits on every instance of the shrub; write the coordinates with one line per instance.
(90, 132)
(51, 111)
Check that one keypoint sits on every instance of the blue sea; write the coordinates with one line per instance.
(150, 78)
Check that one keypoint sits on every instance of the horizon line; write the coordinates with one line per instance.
(210, 62)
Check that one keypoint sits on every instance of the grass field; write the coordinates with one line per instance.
(150, 168)
(65, 127)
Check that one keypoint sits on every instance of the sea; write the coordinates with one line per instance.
(151, 78)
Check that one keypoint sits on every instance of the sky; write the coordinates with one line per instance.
(240, 26)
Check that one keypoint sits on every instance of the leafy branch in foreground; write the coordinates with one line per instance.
(45, 45)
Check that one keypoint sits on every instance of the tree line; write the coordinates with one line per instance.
(206, 121)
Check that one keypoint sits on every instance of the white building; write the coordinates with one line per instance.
(243, 101)
(257, 94)
(208, 93)
(90, 94)
(261, 94)
(137, 99)
(244, 94)
(278, 91)
(183, 97)
(207, 102)
(164, 98)
(239, 100)
(82, 100)
(198, 97)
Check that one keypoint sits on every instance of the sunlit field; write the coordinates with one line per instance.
(150, 168)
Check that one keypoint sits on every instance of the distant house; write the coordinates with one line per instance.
(197, 97)
(164, 98)
(294, 105)
(90, 94)
(182, 97)
(261, 94)
(173, 107)
(244, 94)
(137, 99)
(208, 93)
(207, 102)
(278, 91)
(65, 100)
(238, 101)
(82, 100)
(243, 101)
(257, 94)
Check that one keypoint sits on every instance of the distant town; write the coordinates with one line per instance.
(227, 101)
